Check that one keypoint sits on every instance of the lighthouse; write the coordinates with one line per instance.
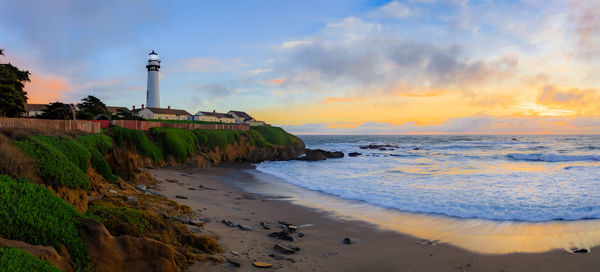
(153, 92)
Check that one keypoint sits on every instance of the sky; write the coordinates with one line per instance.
(325, 67)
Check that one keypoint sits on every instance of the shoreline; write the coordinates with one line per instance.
(321, 249)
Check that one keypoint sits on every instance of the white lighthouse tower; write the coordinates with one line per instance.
(153, 92)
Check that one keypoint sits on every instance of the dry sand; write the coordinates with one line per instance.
(321, 249)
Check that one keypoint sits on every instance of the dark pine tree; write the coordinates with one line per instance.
(12, 96)
(57, 110)
(90, 107)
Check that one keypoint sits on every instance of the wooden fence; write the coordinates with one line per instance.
(66, 125)
(146, 125)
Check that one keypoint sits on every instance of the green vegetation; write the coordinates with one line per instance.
(187, 122)
(98, 145)
(33, 214)
(15, 259)
(212, 139)
(257, 139)
(275, 135)
(74, 151)
(52, 165)
(137, 138)
(120, 220)
(179, 143)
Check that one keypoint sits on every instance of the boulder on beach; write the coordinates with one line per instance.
(320, 154)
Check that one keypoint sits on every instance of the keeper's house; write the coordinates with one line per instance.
(214, 116)
(163, 114)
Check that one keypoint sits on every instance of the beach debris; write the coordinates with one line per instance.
(300, 234)
(354, 154)
(249, 197)
(262, 264)
(265, 225)
(292, 228)
(347, 241)
(236, 253)
(283, 249)
(192, 189)
(580, 250)
(244, 227)
(234, 262)
(276, 256)
(153, 192)
(328, 254)
(427, 242)
(132, 198)
(306, 225)
(186, 175)
(284, 235)
(141, 187)
(112, 191)
(181, 197)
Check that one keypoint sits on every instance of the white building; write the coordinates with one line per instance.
(213, 116)
(163, 114)
(153, 92)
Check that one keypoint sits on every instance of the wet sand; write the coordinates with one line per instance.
(321, 248)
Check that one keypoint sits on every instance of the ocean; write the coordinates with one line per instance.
(526, 179)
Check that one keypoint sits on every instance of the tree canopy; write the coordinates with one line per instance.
(57, 110)
(90, 107)
(12, 96)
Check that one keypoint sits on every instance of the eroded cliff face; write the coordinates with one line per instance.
(247, 153)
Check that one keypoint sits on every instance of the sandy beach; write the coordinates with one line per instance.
(211, 192)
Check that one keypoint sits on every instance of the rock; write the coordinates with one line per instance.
(295, 248)
(141, 187)
(514, 139)
(300, 234)
(249, 197)
(132, 198)
(328, 254)
(192, 189)
(283, 249)
(244, 227)
(124, 253)
(292, 228)
(179, 219)
(262, 264)
(58, 259)
(112, 191)
(417, 148)
(347, 241)
(265, 226)
(580, 250)
(153, 192)
(291, 260)
(378, 146)
(284, 235)
(228, 223)
(181, 197)
(427, 242)
(276, 256)
(319, 155)
(234, 262)
(236, 253)
(354, 154)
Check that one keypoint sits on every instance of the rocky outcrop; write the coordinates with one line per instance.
(127, 164)
(244, 151)
(59, 259)
(125, 253)
(379, 147)
(76, 197)
(320, 154)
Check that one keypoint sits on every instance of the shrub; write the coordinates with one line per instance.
(179, 143)
(74, 151)
(98, 145)
(15, 259)
(137, 138)
(52, 166)
(33, 214)
(275, 135)
(257, 139)
(14, 163)
(120, 220)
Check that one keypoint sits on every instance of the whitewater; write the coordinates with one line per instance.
(503, 178)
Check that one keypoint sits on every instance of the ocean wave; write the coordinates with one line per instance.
(551, 157)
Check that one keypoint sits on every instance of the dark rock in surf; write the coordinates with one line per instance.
(354, 154)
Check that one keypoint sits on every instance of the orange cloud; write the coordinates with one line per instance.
(330, 99)
(429, 93)
(582, 101)
(45, 89)
(276, 81)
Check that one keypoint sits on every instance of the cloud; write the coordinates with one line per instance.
(46, 88)
(328, 100)
(394, 9)
(211, 64)
(213, 90)
(275, 81)
(477, 124)
(585, 17)
(574, 99)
